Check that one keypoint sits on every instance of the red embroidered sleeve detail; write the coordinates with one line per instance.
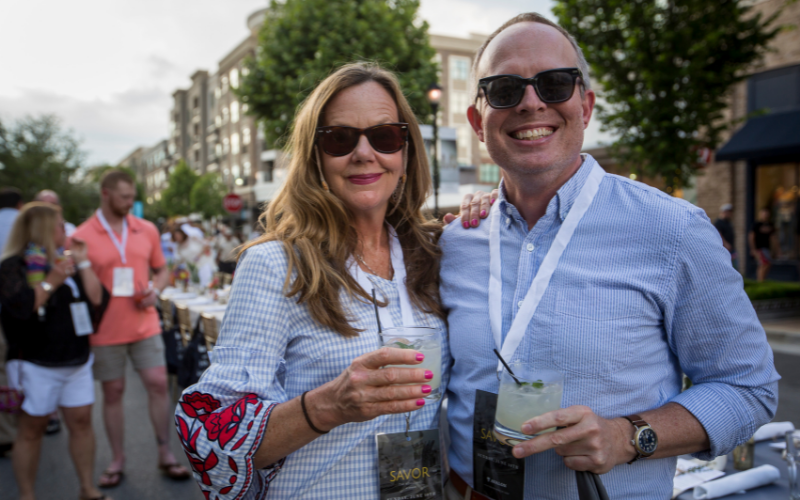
(206, 430)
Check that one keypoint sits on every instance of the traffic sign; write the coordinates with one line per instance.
(232, 203)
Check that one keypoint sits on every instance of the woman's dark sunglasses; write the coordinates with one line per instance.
(552, 86)
(340, 140)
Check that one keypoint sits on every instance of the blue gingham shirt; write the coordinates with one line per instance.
(643, 291)
(270, 346)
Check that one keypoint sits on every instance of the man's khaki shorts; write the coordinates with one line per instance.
(109, 360)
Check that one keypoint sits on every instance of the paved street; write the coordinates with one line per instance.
(56, 479)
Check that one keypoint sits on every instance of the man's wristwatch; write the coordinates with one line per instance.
(644, 439)
(47, 287)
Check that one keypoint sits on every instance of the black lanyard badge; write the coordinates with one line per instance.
(496, 472)
(410, 465)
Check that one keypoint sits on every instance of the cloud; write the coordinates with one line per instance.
(109, 129)
(462, 17)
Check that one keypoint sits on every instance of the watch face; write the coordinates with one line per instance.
(648, 441)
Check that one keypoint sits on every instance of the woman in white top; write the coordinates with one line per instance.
(296, 393)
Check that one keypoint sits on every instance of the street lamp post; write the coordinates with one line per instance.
(434, 96)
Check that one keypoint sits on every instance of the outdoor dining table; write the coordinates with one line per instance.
(778, 490)
(197, 305)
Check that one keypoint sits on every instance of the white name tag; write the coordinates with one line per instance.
(123, 282)
(81, 319)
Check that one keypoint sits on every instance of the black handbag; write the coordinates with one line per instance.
(194, 359)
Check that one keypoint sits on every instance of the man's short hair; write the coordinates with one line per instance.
(529, 17)
(46, 193)
(113, 177)
(10, 197)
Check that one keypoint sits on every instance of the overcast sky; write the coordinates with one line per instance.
(108, 68)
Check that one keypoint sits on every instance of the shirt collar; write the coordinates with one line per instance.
(132, 223)
(564, 198)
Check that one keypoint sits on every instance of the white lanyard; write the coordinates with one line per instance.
(73, 286)
(119, 244)
(540, 283)
(400, 276)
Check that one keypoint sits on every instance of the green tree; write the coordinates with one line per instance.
(36, 154)
(665, 68)
(302, 41)
(207, 194)
(175, 200)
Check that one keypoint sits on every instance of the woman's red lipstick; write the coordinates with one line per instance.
(364, 179)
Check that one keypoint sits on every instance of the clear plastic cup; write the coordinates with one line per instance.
(425, 340)
(540, 392)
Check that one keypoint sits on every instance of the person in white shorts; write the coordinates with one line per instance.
(51, 303)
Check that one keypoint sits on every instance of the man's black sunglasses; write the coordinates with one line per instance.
(552, 86)
(341, 140)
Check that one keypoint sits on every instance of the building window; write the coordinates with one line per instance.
(225, 115)
(195, 102)
(489, 173)
(225, 145)
(235, 171)
(218, 121)
(197, 156)
(459, 102)
(218, 150)
(196, 129)
(266, 170)
(234, 78)
(459, 68)
(246, 170)
(224, 84)
(774, 91)
(234, 112)
(246, 136)
(235, 143)
(217, 92)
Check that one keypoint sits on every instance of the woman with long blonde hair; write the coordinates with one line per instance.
(299, 384)
(50, 303)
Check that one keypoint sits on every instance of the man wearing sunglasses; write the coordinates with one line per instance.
(614, 284)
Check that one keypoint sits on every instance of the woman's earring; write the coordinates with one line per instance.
(319, 167)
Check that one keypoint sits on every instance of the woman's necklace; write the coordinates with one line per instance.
(361, 259)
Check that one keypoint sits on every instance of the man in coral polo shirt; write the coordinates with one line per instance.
(124, 250)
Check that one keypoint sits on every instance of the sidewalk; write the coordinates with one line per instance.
(783, 334)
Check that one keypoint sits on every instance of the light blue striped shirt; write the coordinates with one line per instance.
(271, 350)
(643, 291)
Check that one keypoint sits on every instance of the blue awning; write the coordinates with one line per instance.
(773, 137)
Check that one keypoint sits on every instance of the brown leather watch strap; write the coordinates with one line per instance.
(636, 420)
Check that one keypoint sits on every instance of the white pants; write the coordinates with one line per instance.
(48, 388)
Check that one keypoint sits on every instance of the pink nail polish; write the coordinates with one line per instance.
(483, 213)
(420, 402)
(474, 222)
(426, 389)
(466, 225)
(428, 374)
(420, 356)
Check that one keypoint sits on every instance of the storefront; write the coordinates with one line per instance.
(768, 147)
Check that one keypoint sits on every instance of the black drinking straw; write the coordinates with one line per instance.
(504, 364)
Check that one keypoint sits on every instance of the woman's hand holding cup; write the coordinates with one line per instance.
(366, 389)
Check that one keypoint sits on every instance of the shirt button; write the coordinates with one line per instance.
(530, 247)
(508, 210)
(519, 304)
(508, 220)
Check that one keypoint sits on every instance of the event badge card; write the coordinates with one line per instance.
(409, 465)
(496, 472)
(123, 282)
(81, 319)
